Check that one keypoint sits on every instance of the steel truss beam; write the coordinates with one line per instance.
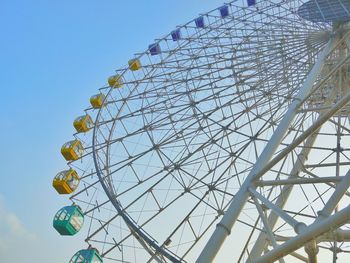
(260, 243)
(266, 225)
(309, 233)
(289, 183)
(338, 235)
(298, 226)
(294, 181)
(263, 165)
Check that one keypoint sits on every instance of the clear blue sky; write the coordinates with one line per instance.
(53, 56)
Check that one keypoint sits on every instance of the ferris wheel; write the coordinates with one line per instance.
(227, 140)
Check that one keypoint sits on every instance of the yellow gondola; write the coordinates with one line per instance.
(72, 150)
(66, 182)
(83, 123)
(97, 100)
(115, 81)
(134, 64)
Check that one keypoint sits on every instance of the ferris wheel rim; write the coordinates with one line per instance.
(137, 231)
(115, 202)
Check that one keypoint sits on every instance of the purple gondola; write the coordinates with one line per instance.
(154, 49)
(224, 12)
(176, 34)
(199, 22)
(251, 2)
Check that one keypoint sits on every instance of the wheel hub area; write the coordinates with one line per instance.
(333, 82)
(325, 10)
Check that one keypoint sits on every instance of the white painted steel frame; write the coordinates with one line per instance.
(309, 233)
(107, 161)
(167, 85)
(232, 213)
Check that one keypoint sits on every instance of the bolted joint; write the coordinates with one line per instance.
(298, 228)
(228, 231)
(311, 248)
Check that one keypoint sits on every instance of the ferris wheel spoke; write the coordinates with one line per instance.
(270, 234)
(217, 236)
(85, 189)
(301, 239)
(223, 112)
(308, 132)
(320, 196)
(298, 166)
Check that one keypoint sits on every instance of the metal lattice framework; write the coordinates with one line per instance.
(241, 126)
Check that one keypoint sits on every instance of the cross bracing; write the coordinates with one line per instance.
(176, 145)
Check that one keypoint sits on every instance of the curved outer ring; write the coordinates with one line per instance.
(136, 231)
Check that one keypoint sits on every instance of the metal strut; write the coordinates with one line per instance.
(218, 237)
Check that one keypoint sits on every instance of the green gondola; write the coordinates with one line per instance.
(89, 255)
(68, 220)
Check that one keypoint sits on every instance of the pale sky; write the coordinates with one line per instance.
(53, 56)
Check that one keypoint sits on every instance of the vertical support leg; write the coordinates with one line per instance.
(223, 228)
(311, 250)
(310, 233)
(266, 225)
(259, 245)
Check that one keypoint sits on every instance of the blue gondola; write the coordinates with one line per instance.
(154, 49)
(224, 11)
(176, 34)
(251, 2)
(199, 21)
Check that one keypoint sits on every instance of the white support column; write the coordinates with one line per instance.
(333, 201)
(259, 245)
(339, 235)
(298, 181)
(285, 192)
(311, 250)
(309, 131)
(277, 210)
(224, 227)
(322, 119)
(266, 225)
(309, 233)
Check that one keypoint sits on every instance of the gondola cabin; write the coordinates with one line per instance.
(176, 34)
(115, 81)
(96, 101)
(154, 49)
(251, 2)
(134, 64)
(224, 11)
(90, 255)
(68, 220)
(83, 123)
(66, 182)
(199, 21)
(72, 150)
